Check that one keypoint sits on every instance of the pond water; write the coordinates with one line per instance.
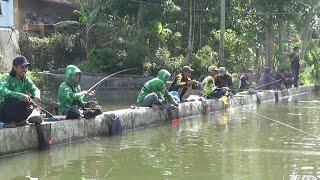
(231, 144)
(116, 99)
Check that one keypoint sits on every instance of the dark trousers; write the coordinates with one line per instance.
(15, 111)
(295, 73)
(74, 113)
(217, 93)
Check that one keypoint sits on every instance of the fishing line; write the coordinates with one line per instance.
(300, 130)
(92, 87)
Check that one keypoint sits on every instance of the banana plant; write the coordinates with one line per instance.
(88, 19)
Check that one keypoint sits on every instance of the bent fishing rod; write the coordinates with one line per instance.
(91, 88)
(105, 78)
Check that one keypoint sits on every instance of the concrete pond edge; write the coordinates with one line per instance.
(21, 139)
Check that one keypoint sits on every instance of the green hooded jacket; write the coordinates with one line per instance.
(70, 94)
(12, 87)
(158, 86)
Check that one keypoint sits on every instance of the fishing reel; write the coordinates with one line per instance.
(91, 96)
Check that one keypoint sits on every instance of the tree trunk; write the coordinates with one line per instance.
(281, 42)
(257, 55)
(194, 25)
(87, 44)
(139, 16)
(269, 44)
(200, 30)
(222, 32)
(200, 36)
(306, 33)
(189, 49)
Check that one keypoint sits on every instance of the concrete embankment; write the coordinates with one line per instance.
(25, 138)
(117, 82)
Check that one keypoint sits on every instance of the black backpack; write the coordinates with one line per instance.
(114, 125)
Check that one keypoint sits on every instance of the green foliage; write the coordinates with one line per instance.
(136, 56)
(162, 60)
(89, 66)
(204, 58)
(151, 35)
(237, 57)
(45, 82)
(103, 57)
(62, 49)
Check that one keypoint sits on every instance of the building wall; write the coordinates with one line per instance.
(37, 10)
(6, 18)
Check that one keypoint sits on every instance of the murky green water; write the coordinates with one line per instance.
(231, 144)
(113, 100)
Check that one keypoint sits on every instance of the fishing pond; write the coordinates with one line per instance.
(265, 141)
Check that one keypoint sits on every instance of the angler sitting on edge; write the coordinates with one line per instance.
(71, 98)
(285, 79)
(18, 94)
(224, 80)
(182, 84)
(245, 83)
(267, 80)
(209, 88)
(154, 92)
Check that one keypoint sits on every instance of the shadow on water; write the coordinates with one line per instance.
(230, 144)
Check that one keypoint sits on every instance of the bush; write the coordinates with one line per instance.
(103, 59)
(136, 56)
(52, 52)
(162, 60)
(88, 66)
(204, 58)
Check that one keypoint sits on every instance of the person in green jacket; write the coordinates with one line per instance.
(154, 92)
(18, 92)
(71, 98)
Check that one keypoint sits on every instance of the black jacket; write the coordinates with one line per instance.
(223, 81)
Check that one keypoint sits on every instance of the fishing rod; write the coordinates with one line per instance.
(300, 130)
(38, 106)
(103, 79)
(257, 88)
(242, 90)
(227, 88)
(91, 88)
